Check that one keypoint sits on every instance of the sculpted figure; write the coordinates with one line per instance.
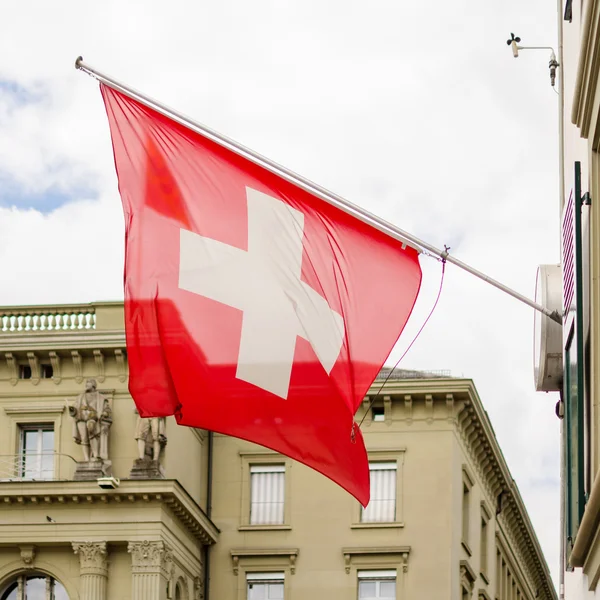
(155, 426)
(92, 418)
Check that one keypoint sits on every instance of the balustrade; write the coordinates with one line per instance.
(25, 319)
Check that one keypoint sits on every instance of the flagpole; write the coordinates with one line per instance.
(313, 188)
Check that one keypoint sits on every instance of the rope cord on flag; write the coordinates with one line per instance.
(443, 261)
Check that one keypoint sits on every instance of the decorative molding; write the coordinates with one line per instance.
(198, 588)
(408, 409)
(483, 595)
(77, 365)
(467, 576)
(366, 405)
(55, 362)
(402, 552)
(199, 433)
(429, 408)
(265, 528)
(92, 557)
(450, 407)
(387, 410)
(487, 513)
(151, 557)
(467, 477)
(582, 111)
(241, 553)
(13, 368)
(122, 368)
(253, 454)
(27, 556)
(26, 495)
(34, 363)
(26, 409)
(99, 359)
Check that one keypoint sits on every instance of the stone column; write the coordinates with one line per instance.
(93, 569)
(151, 570)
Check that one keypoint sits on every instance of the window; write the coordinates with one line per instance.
(378, 413)
(483, 548)
(36, 452)
(46, 371)
(467, 484)
(465, 513)
(35, 587)
(373, 585)
(265, 586)
(382, 507)
(24, 372)
(483, 544)
(267, 493)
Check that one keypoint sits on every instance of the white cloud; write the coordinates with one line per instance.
(415, 110)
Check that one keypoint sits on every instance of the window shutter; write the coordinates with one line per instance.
(574, 263)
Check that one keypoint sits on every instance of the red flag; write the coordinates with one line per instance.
(252, 308)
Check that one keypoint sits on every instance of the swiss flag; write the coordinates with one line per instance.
(252, 308)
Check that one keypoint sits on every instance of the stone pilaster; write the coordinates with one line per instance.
(93, 569)
(151, 570)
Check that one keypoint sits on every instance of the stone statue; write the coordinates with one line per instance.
(155, 426)
(92, 418)
(151, 439)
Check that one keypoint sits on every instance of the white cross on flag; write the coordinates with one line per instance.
(252, 307)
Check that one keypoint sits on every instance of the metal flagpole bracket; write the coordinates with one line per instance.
(311, 187)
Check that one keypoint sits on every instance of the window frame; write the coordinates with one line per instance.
(467, 484)
(247, 562)
(265, 577)
(24, 576)
(248, 460)
(20, 415)
(384, 456)
(484, 545)
(22, 454)
(264, 469)
(377, 575)
(382, 465)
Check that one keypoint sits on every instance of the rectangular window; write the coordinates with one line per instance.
(483, 549)
(373, 585)
(382, 507)
(267, 493)
(36, 452)
(265, 586)
(378, 413)
(466, 513)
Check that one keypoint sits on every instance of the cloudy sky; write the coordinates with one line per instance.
(415, 110)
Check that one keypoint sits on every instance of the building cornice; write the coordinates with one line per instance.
(164, 491)
(47, 341)
(291, 554)
(588, 69)
(465, 410)
(400, 552)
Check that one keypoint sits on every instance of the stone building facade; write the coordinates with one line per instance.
(97, 504)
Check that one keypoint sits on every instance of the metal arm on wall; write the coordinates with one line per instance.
(513, 42)
(311, 187)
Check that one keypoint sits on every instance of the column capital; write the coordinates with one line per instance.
(151, 557)
(92, 557)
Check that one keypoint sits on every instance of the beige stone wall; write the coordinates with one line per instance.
(155, 531)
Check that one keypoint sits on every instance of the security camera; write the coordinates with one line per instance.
(108, 483)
